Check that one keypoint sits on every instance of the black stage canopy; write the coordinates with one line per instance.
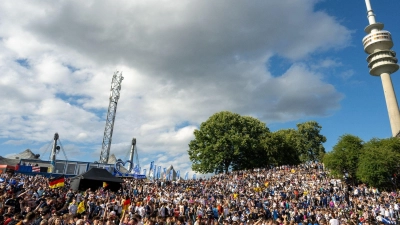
(96, 178)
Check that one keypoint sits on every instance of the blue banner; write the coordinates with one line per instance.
(136, 176)
(178, 174)
(151, 167)
(154, 171)
(136, 170)
(187, 176)
(171, 174)
(159, 172)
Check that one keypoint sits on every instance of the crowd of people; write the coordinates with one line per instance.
(286, 195)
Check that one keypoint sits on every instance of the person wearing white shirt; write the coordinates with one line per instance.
(141, 210)
(382, 210)
(396, 209)
(181, 209)
(387, 215)
(334, 221)
(391, 212)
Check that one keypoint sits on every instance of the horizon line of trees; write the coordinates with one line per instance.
(228, 141)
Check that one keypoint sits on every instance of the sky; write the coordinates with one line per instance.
(282, 61)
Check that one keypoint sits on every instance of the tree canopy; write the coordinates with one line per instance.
(379, 162)
(310, 141)
(281, 147)
(375, 162)
(228, 141)
(344, 157)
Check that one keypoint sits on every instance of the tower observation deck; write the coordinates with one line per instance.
(382, 62)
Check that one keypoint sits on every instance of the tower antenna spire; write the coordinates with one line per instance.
(382, 62)
(370, 12)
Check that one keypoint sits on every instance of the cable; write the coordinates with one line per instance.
(62, 148)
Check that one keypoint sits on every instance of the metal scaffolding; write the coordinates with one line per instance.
(112, 110)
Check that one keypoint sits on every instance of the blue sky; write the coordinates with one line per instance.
(282, 61)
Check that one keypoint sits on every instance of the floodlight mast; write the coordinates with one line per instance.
(53, 153)
(112, 110)
(132, 154)
(382, 62)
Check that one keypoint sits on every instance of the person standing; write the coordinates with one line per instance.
(73, 207)
(334, 220)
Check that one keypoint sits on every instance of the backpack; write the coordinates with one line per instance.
(10, 202)
(166, 211)
(210, 213)
(154, 213)
(96, 210)
(148, 210)
(37, 221)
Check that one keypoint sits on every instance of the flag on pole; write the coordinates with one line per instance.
(151, 168)
(171, 174)
(178, 174)
(136, 170)
(165, 173)
(194, 176)
(140, 170)
(187, 175)
(159, 172)
(81, 207)
(154, 171)
(144, 171)
(57, 182)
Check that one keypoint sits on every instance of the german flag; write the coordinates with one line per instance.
(56, 182)
(126, 204)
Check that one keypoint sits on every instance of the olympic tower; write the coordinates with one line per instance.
(382, 62)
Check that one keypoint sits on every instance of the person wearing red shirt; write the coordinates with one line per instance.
(7, 218)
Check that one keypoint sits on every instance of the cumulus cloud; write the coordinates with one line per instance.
(182, 62)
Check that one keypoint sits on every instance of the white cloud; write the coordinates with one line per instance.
(17, 142)
(182, 62)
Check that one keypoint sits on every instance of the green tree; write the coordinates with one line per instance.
(344, 156)
(228, 141)
(310, 141)
(281, 147)
(379, 161)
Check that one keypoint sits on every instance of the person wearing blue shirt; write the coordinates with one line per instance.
(215, 211)
(275, 214)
